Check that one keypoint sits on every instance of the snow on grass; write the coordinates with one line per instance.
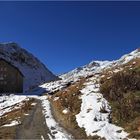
(42, 137)
(87, 70)
(57, 132)
(65, 111)
(128, 57)
(95, 112)
(13, 123)
(33, 104)
(26, 114)
(56, 98)
(54, 86)
(8, 103)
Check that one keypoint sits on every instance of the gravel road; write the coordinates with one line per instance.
(33, 126)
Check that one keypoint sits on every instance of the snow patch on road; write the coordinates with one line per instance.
(42, 137)
(57, 132)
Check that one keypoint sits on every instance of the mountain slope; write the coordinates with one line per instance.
(84, 109)
(33, 70)
(98, 66)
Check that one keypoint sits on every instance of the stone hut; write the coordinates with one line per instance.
(11, 79)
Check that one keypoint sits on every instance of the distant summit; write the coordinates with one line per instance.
(35, 73)
(97, 66)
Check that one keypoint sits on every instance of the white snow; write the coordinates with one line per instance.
(92, 118)
(55, 86)
(11, 102)
(26, 114)
(128, 57)
(42, 137)
(65, 111)
(116, 70)
(57, 132)
(56, 98)
(13, 123)
(84, 71)
(33, 104)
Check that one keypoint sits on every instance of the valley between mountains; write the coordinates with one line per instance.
(98, 101)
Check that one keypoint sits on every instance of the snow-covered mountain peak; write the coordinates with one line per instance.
(97, 66)
(93, 64)
(33, 70)
(128, 57)
(89, 69)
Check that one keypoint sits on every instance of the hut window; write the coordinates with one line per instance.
(1, 77)
(5, 69)
(5, 83)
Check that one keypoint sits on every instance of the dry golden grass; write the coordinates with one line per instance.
(7, 133)
(122, 90)
(133, 64)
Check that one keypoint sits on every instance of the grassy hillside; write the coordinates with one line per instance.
(122, 90)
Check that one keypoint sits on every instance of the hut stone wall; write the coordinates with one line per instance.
(11, 79)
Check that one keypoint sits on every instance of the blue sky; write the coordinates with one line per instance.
(65, 35)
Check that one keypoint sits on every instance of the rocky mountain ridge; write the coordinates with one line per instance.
(97, 66)
(35, 73)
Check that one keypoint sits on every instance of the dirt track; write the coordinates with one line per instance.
(33, 126)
